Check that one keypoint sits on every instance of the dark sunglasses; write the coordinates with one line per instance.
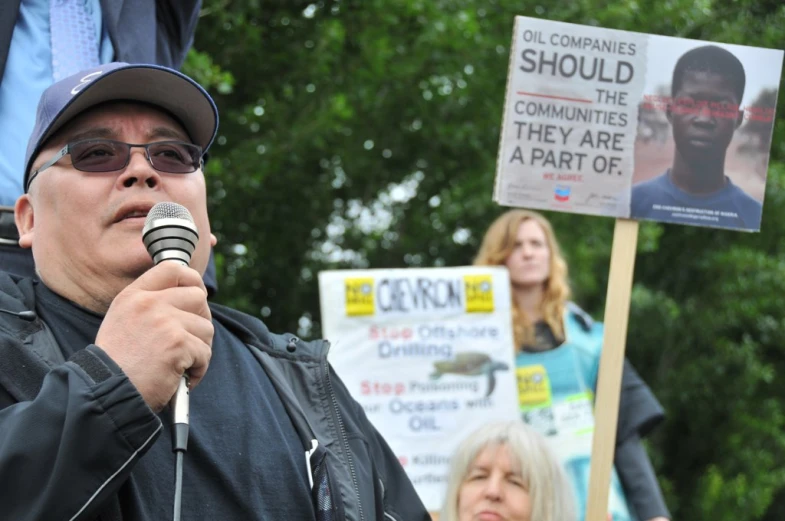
(106, 155)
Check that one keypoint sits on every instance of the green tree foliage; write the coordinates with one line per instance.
(364, 133)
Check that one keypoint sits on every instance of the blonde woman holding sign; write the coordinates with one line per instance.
(557, 364)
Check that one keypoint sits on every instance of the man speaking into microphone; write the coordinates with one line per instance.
(93, 351)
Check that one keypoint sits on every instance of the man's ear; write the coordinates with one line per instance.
(668, 113)
(25, 220)
(739, 119)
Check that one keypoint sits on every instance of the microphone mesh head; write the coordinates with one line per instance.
(167, 211)
(170, 233)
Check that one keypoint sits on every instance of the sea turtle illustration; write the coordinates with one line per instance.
(470, 363)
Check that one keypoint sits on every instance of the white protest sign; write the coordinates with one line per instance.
(428, 353)
(630, 125)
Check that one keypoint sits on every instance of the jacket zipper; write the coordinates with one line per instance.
(345, 441)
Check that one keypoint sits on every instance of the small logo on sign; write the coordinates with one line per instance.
(479, 293)
(359, 297)
(534, 387)
(561, 193)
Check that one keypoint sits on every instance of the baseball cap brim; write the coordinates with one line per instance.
(166, 88)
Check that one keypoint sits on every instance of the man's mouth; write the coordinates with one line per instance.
(701, 141)
(133, 212)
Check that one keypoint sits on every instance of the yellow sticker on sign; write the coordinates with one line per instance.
(359, 297)
(534, 387)
(479, 293)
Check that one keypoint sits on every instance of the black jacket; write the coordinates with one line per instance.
(71, 431)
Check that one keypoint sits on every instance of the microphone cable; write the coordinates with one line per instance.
(178, 486)
(179, 406)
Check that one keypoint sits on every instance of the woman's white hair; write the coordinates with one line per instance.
(550, 493)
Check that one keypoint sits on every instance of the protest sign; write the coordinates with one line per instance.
(633, 126)
(428, 353)
(622, 124)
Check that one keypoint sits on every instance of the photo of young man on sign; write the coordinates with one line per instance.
(704, 113)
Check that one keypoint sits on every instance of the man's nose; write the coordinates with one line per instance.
(704, 114)
(139, 171)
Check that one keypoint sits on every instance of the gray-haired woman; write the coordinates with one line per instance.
(505, 471)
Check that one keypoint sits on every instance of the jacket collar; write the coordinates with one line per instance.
(30, 350)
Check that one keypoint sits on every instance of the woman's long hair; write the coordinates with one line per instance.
(497, 245)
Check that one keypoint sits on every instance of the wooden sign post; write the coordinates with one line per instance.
(606, 405)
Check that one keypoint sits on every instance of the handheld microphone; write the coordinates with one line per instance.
(169, 234)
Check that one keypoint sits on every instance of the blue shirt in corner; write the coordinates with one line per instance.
(27, 73)
(660, 200)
